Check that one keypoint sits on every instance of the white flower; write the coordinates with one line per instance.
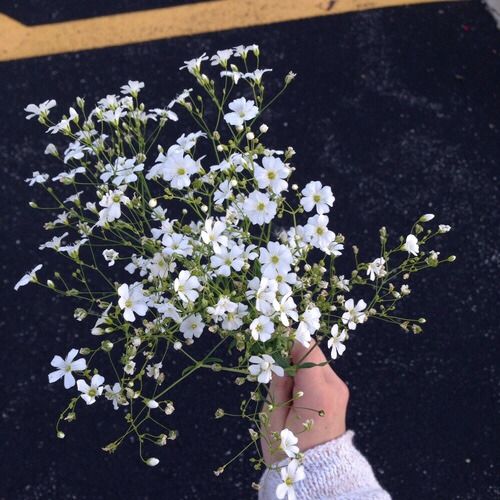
(411, 245)
(287, 309)
(242, 50)
(123, 171)
(42, 110)
(213, 234)
(133, 87)
(242, 111)
(55, 243)
(234, 319)
(168, 310)
(129, 367)
(272, 174)
(223, 306)
(187, 286)
(181, 98)
(335, 341)
(316, 195)
(256, 75)
(37, 178)
(223, 192)
(177, 244)
(114, 394)
(160, 266)
(290, 474)
(194, 65)
(68, 177)
(186, 142)
(192, 326)
(265, 293)
(259, 208)
(28, 277)
(111, 202)
(262, 328)
(221, 57)
(132, 301)
(303, 334)
(65, 367)
(165, 114)
(225, 259)
(175, 168)
(92, 391)
(284, 281)
(342, 283)
(311, 317)
(275, 259)
(354, 313)
(153, 371)
(234, 75)
(65, 124)
(113, 116)
(444, 228)
(376, 268)
(110, 256)
(263, 368)
(317, 232)
(289, 443)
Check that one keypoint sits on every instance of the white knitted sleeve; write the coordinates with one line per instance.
(334, 470)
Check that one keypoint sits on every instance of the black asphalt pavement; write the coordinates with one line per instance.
(398, 109)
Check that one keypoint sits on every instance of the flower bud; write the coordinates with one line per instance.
(263, 128)
(152, 462)
(61, 435)
(426, 218)
(290, 77)
(169, 408)
(151, 403)
(106, 345)
(253, 434)
(177, 345)
(452, 258)
(152, 202)
(219, 471)
(219, 413)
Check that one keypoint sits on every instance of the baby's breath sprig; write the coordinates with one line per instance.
(169, 241)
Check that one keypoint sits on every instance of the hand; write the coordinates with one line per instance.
(322, 391)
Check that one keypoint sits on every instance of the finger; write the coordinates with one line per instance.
(312, 376)
(311, 354)
(276, 408)
(280, 393)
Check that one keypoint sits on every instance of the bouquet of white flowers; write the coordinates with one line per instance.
(205, 236)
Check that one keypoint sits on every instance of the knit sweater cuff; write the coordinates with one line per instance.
(334, 470)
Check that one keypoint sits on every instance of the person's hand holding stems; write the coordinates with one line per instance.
(323, 399)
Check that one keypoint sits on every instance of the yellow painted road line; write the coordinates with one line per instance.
(18, 41)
